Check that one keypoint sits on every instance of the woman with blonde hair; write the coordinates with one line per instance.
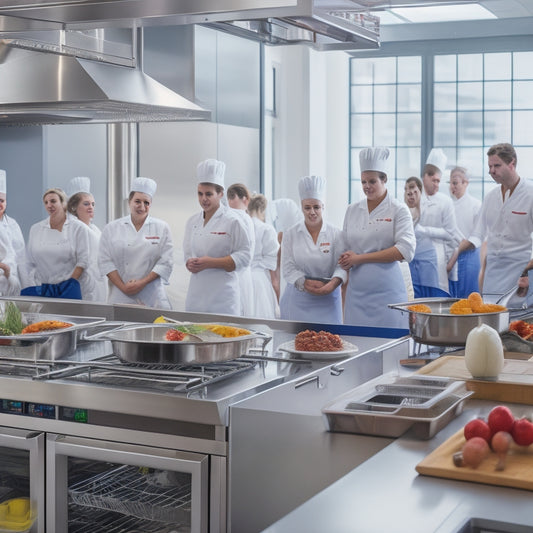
(57, 252)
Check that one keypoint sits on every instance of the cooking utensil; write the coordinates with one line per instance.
(441, 328)
(146, 343)
(49, 345)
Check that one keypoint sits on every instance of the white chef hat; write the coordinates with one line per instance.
(211, 171)
(3, 181)
(312, 187)
(145, 185)
(437, 158)
(374, 158)
(78, 184)
(284, 213)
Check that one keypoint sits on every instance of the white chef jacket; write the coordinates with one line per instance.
(301, 257)
(372, 286)
(437, 221)
(245, 273)
(9, 286)
(12, 229)
(99, 294)
(507, 224)
(214, 290)
(52, 255)
(264, 260)
(134, 254)
(466, 212)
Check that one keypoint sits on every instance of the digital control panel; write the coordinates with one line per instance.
(43, 410)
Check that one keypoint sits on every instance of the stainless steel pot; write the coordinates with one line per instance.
(441, 328)
(146, 343)
(47, 345)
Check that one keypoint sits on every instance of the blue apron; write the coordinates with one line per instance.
(425, 275)
(468, 265)
(371, 287)
(307, 307)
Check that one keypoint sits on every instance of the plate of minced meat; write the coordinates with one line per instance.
(318, 345)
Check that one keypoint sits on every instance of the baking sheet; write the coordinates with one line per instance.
(348, 349)
(518, 471)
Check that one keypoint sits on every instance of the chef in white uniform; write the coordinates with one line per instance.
(310, 251)
(437, 219)
(506, 222)
(216, 244)
(467, 210)
(378, 233)
(264, 261)
(136, 252)
(238, 197)
(11, 230)
(9, 281)
(81, 205)
(58, 246)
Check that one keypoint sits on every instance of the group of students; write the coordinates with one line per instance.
(329, 275)
(465, 245)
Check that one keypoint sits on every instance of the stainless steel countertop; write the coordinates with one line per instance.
(386, 494)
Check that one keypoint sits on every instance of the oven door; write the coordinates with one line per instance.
(22, 501)
(96, 486)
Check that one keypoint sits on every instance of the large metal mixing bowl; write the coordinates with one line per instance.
(441, 328)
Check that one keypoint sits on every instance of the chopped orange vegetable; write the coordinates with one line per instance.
(419, 308)
(45, 325)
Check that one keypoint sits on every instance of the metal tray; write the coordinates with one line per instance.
(358, 412)
(48, 345)
(441, 328)
(146, 343)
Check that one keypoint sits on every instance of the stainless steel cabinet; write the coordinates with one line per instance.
(22, 466)
(96, 486)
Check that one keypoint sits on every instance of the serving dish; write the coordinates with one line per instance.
(441, 328)
(48, 345)
(348, 349)
(146, 343)
(387, 407)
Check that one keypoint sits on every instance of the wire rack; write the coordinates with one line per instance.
(160, 495)
(84, 520)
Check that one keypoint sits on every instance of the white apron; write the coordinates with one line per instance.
(265, 301)
(372, 286)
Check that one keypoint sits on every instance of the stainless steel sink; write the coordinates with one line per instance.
(484, 525)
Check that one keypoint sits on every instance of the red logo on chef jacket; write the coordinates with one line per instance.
(518, 212)
(153, 238)
(325, 247)
(383, 219)
(218, 233)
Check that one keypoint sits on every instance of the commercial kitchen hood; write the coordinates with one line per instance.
(323, 24)
(48, 88)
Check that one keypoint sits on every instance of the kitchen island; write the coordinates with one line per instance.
(386, 494)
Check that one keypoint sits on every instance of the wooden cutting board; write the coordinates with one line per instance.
(514, 384)
(518, 471)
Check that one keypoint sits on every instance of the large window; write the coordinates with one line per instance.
(462, 103)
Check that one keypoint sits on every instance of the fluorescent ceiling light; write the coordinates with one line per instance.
(448, 13)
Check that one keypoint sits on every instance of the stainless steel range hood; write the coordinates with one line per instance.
(323, 24)
(47, 88)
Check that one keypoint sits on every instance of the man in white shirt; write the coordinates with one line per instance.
(437, 217)
(506, 221)
(466, 213)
